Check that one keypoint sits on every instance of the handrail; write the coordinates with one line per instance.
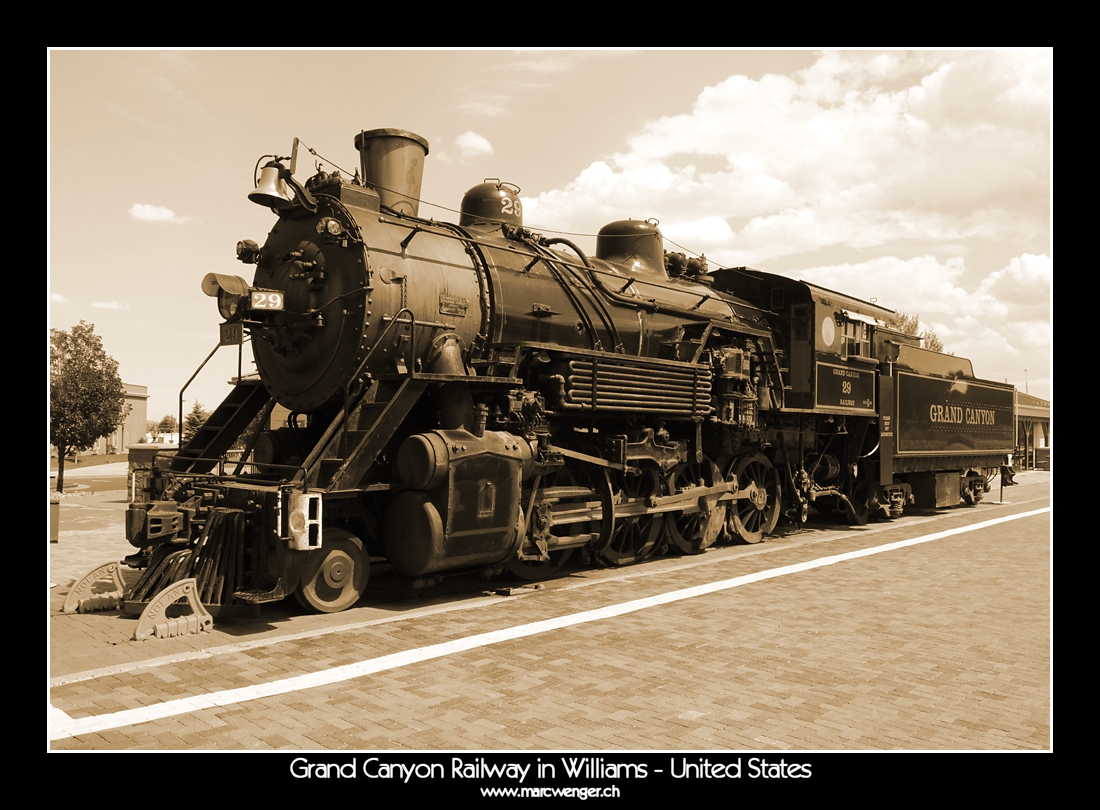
(191, 379)
(314, 456)
(352, 380)
(396, 320)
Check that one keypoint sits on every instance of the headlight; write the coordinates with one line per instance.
(231, 291)
(228, 304)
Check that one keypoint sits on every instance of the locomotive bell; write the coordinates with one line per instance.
(271, 191)
(491, 203)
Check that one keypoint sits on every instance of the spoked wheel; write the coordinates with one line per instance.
(753, 517)
(634, 538)
(695, 532)
(553, 496)
(335, 575)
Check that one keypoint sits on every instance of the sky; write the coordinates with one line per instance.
(918, 179)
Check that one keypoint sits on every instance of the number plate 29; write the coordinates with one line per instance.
(267, 299)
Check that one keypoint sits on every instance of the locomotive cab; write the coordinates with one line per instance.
(828, 339)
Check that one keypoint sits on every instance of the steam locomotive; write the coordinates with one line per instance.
(479, 396)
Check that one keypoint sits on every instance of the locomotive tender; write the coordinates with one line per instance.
(479, 396)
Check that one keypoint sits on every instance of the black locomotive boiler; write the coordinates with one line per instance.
(476, 395)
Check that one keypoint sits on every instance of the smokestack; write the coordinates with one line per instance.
(392, 161)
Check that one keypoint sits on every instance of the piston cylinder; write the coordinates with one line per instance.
(461, 504)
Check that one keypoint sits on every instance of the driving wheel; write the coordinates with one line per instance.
(634, 538)
(755, 516)
(694, 532)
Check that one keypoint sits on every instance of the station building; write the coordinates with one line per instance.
(1033, 435)
(132, 428)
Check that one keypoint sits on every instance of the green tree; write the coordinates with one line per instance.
(910, 325)
(194, 420)
(167, 424)
(930, 340)
(906, 324)
(86, 393)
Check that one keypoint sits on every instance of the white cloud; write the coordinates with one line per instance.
(859, 150)
(491, 106)
(558, 61)
(1023, 285)
(58, 298)
(923, 285)
(109, 305)
(472, 145)
(155, 213)
(1039, 334)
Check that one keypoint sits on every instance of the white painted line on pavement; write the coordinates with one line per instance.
(62, 726)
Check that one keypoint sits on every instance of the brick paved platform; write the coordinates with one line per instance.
(942, 645)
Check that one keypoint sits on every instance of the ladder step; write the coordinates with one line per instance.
(215, 436)
(366, 415)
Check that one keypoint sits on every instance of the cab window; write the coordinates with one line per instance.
(856, 340)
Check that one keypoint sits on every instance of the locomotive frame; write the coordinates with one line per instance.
(480, 396)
